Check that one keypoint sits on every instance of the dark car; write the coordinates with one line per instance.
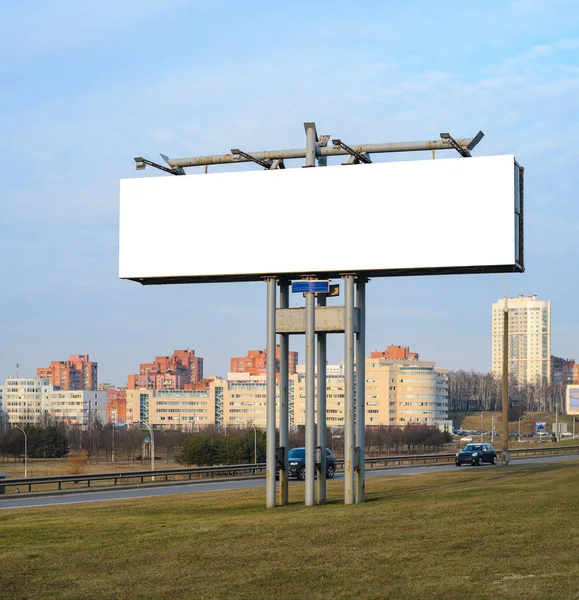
(297, 463)
(476, 454)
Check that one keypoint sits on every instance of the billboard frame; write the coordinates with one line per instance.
(317, 151)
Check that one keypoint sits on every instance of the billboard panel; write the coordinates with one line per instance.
(459, 215)
(541, 427)
(573, 399)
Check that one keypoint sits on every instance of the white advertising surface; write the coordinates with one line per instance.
(573, 399)
(381, 219)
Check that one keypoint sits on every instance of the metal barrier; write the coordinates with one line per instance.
(238, 470)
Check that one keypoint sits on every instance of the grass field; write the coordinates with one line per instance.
(473, 533)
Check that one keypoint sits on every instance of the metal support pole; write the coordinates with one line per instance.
(361, 391)
(349, 391)
(310, 397)
(311, 139)
(321, 441)
(284, 396)
(506, 385)
(270, 393)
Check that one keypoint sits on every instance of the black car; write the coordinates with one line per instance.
(476, 454)
(297, 463)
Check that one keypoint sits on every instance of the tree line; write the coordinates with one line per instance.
(473, 391)
(211, 445)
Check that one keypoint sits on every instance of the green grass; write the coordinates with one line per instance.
(472, 533)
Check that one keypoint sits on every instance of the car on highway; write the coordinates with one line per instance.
(297, 463)
(476, 454)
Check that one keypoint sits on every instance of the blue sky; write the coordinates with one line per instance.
(85, 87)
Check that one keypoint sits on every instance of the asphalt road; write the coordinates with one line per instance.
(218, 486)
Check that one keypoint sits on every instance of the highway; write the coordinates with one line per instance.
(13, 501)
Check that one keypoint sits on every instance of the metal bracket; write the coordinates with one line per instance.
(142, 163)
(277, 163)
(179, 170)
(261, 163)
(462, 151)
(355, 156)
(322, 142)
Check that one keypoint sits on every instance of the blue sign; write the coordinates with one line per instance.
(541, 427)
(304, 286)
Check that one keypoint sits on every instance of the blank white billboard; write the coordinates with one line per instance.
(384, 219)
(573, 399)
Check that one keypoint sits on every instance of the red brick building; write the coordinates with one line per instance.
(116, 406)
(255, 362)
(396, 353)
(76, 373)
(180, 371)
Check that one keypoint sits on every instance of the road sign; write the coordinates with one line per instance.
(317, 286)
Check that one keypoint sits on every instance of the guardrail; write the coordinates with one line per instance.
(187, 474)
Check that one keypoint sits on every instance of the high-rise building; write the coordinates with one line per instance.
(76, 373)
(396, 352)
(529, 351)
(180, 371)
(255, 362)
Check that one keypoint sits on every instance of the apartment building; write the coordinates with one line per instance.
(563, 370)
(76, 373)
(116, 406)
(25, 399)
(529, 344)
(398, 392)
(180, 371)
(255, 362)
(76, 407)
(171, 409)
(396, 352)
(33, 400)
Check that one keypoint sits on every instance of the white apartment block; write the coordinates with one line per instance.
(76, 407)
(25, 399)
(32, 400)
(529, 349)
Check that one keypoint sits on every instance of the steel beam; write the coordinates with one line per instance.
(321, 151)
(349, 451)
(361, 390)
(284, 395)
(321, 437)
(270, 393)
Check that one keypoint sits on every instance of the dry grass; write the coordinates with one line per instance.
(472, 533)
(40, 467)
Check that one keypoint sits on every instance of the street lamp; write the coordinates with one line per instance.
(152, 446)
(254, 438)
(25, 450)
